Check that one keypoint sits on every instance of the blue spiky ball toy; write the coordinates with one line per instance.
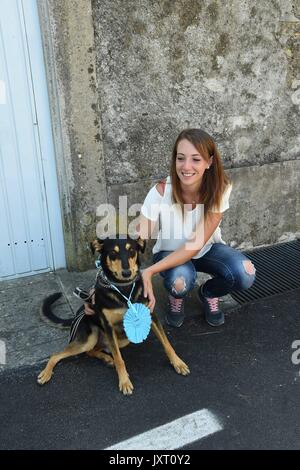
(137, 322)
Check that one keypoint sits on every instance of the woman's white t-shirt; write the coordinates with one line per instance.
(174, 229)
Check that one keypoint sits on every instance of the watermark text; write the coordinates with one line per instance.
(2, 92)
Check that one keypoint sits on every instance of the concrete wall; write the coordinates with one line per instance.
(231, 68)
(68, 37)
(132, 74)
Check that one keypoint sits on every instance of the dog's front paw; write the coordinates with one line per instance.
(180, 367)
(44, 376)
(125, 386)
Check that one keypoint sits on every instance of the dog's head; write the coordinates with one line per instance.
(119, 257)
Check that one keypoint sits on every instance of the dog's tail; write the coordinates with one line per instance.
(49, 316)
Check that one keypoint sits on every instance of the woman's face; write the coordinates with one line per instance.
(190, 165)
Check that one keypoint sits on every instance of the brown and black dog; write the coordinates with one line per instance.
(101, 335)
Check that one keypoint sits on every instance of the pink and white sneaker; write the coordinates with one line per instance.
(175, 315)
(213, 315)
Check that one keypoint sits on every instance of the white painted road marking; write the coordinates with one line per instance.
(2, 352)
(173, 435)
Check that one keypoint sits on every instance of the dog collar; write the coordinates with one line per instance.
(102, 279)
(105, 282)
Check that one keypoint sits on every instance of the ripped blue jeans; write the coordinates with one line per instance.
(229, 268)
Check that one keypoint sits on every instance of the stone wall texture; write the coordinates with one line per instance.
(231, 68)
(132, 74)
(68, 39)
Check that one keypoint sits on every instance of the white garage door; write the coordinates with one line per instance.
(31, 238)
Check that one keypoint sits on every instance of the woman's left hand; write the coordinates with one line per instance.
(148, 289)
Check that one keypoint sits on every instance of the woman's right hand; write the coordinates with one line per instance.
(88, 309)
(148, 288)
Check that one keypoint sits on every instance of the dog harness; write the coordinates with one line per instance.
(137, 319)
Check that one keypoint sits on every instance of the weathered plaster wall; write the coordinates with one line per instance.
(126, 76)
(265, 207)
(68, 38)
(231, 68)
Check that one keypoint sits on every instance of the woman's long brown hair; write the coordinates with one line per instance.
(214, 181)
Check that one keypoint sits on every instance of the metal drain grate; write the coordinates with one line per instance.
(277, 270)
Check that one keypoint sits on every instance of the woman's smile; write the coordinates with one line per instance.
(190, 165)
(187, 177)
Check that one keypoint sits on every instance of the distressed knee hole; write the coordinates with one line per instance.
(179, 285)
(249, 267)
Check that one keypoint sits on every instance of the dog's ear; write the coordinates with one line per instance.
(141, 244)
(96, 245)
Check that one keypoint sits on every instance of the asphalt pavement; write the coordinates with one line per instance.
(242, 372)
